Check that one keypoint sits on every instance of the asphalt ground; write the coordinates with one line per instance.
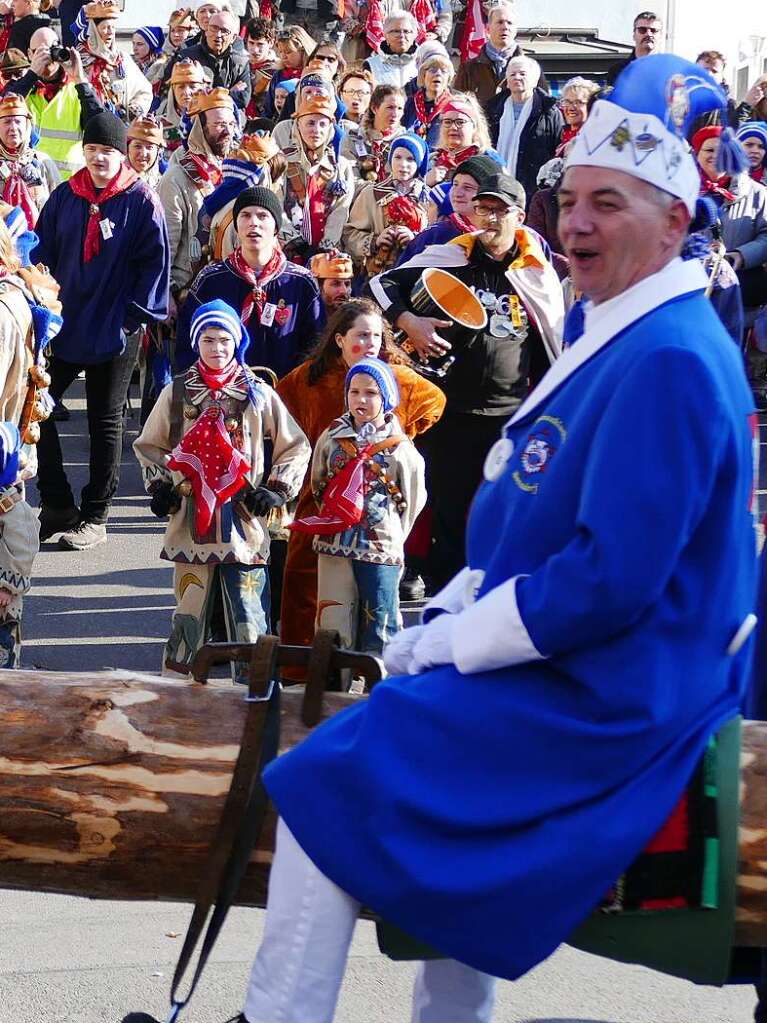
(67, 960)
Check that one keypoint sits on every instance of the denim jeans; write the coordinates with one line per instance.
(360, 600)
(106, 388)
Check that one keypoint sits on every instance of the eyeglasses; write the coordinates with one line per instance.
(355, 93)
(492, 212)
(645, 30)
(572, 104)
(218, 30)
(455, 122)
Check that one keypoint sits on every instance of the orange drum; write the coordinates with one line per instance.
(440, 294)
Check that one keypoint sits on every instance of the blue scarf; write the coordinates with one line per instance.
(500, 58)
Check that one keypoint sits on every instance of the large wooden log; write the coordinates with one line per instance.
(112, 785)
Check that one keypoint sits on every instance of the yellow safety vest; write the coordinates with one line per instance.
(58, 122)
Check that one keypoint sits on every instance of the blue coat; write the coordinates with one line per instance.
(125, 285)
(486, 810)
(281, 346)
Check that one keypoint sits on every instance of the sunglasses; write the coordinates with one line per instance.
(645, 30)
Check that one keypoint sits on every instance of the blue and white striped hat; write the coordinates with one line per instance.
(753, 130)
(10, 446)
(153, 36)
(382, 375)
(219, 314)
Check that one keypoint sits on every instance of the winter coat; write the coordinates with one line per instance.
(539, 139)
(478, 75)
(744, 221)
(230, 70)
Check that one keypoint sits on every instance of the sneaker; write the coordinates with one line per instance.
(60, 412)
(57, 520)
(412, 586)
(84, 536)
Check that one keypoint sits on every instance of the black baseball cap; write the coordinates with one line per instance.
(503, 187)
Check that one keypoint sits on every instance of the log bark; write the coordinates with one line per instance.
(112, 787)
(751, 916)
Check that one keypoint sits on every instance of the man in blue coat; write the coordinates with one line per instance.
(279, 301)
(103, 236)
(543, 722)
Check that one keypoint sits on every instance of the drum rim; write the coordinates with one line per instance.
(428, 272)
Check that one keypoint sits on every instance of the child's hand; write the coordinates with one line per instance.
(5, 597)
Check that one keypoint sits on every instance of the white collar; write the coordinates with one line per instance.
(604, 321)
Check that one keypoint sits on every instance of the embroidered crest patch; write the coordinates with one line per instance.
(545, 439)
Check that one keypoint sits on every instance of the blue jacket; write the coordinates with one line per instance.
(125, 285)
(486, 806)
(281, 346)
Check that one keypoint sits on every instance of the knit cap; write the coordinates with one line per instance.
(478, 167)
(417, 148)
(258, 196)
(382, 375)
(152, 35)
(218, 313)
(753, 130)
(106, 130)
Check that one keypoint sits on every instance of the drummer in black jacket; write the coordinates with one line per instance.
(506, 269)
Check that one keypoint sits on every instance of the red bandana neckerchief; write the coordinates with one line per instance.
(217, 379)
(423, 12)
(48, 90)
(406, 212)
(16, 193)
(717, 189)
(424, 117)
(757, 174)
(343, 501)
(288, 73)
(318, 206)
(201, 170)
(374, 32)
(257, 279)
(463, 225)
(209, 460)
(82, 185)
(444, 158)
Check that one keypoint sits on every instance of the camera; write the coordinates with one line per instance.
(61, 54)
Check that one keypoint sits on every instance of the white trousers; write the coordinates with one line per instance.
(297, 973)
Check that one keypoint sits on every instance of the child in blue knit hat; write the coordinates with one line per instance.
(202, 451)
(368, 480)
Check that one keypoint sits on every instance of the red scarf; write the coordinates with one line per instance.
(757, 173)
(718, 189)
(343, 501)
(424, 117)
(374, 33)
(451, 160)
(423, 12)
(405, 211)
(568, 134)
(16, 193)
(257, 279)
(82, 185)
(201, 170)
(48, 90)
(289, 72)
(464, 226)
(215, 468)
(217, 379)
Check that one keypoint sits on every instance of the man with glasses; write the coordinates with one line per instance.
(648, 37)
(227, 62)
(506, 269)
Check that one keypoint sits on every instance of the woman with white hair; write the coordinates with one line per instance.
(394, 63)
(525, 122)
(574, 104)
(424, 107)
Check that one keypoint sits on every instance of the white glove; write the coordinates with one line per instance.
(397, 652)
(434, 646)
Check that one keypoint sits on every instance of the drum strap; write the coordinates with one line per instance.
(176, 410)
(240, 825)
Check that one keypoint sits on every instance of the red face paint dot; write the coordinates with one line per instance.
(356, 349)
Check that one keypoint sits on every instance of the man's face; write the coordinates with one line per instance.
(106, 31)
(502, 28)
(519, 76)
(178, 35)
(647, 36)
(219, 130)
(255, 227)
(314, 129)
(715, 66)
(142, 155)
(258, 49)
(400, 36)
(40, 45)
(462, 192)
(356, 96)
(615, 230)
(103, 163)
(219, 34)
(335, 292)
(498, 222)
(13, 130)
(21, 8)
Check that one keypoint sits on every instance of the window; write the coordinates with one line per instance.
(741, 82)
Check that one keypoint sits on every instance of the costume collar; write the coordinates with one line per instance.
(603, 322)
(529, 251)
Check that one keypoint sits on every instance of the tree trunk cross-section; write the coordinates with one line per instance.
(113, 787)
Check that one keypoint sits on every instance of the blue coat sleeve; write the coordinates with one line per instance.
(646, 485)
(149, 265)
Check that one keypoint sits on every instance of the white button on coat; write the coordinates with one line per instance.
(497, 457)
